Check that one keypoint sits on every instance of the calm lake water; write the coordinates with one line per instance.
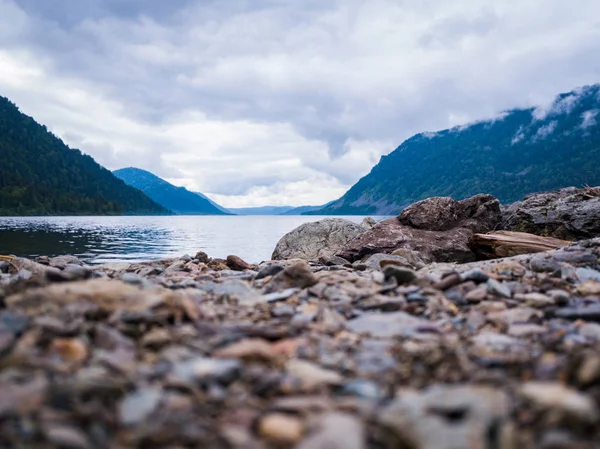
(111, 239)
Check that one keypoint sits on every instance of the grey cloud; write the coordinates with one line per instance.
(333, 70)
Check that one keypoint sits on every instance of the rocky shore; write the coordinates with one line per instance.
(353, 348)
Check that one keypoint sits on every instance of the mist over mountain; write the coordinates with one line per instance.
(520, 152)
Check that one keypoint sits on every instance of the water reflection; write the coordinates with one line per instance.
(102, 239)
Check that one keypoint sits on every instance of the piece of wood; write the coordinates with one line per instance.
(508, 243)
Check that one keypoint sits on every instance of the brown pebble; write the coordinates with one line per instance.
(280, 428)
(237, 263)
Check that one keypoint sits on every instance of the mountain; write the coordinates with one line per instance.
(40, 175)
(178, 199)
(221, 208)
(303, 210)
(262, 210)
(520, 152)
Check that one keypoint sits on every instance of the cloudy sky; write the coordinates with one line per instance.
(258, 102)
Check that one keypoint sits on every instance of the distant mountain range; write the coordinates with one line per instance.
(184, 202)
(40, 175)
(260, 210)
(177, 199)
(520, 152)
(303, 209)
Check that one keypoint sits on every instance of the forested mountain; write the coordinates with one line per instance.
(260, 210)
(302, 210)
(522, 151)
(177, 199)
(40, 175)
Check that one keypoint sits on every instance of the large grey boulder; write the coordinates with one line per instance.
(312, 241)
(436, 229)
(570, 214)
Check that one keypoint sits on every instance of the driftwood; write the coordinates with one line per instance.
(507, 243)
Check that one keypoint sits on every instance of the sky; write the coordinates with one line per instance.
(282, 102)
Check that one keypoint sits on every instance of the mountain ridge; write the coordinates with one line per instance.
(41, 175)
(521, 152)
(177, 199)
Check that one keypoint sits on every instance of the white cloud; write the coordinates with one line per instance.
(545, 131)
(589, 118)
(519, 136)
(283, 102)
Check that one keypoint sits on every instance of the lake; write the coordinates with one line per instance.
(112, 239)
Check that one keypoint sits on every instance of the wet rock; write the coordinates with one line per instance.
(237, 263)
(569, 214)
(319, 239)
(297, 275)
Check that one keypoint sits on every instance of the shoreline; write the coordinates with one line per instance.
(221, 353)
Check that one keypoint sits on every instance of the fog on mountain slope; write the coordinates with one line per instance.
(177, 199)
(40, 175)
(520, 152)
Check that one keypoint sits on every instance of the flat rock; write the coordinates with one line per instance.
(310, 241)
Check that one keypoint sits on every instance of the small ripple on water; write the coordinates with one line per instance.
(113, 239)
